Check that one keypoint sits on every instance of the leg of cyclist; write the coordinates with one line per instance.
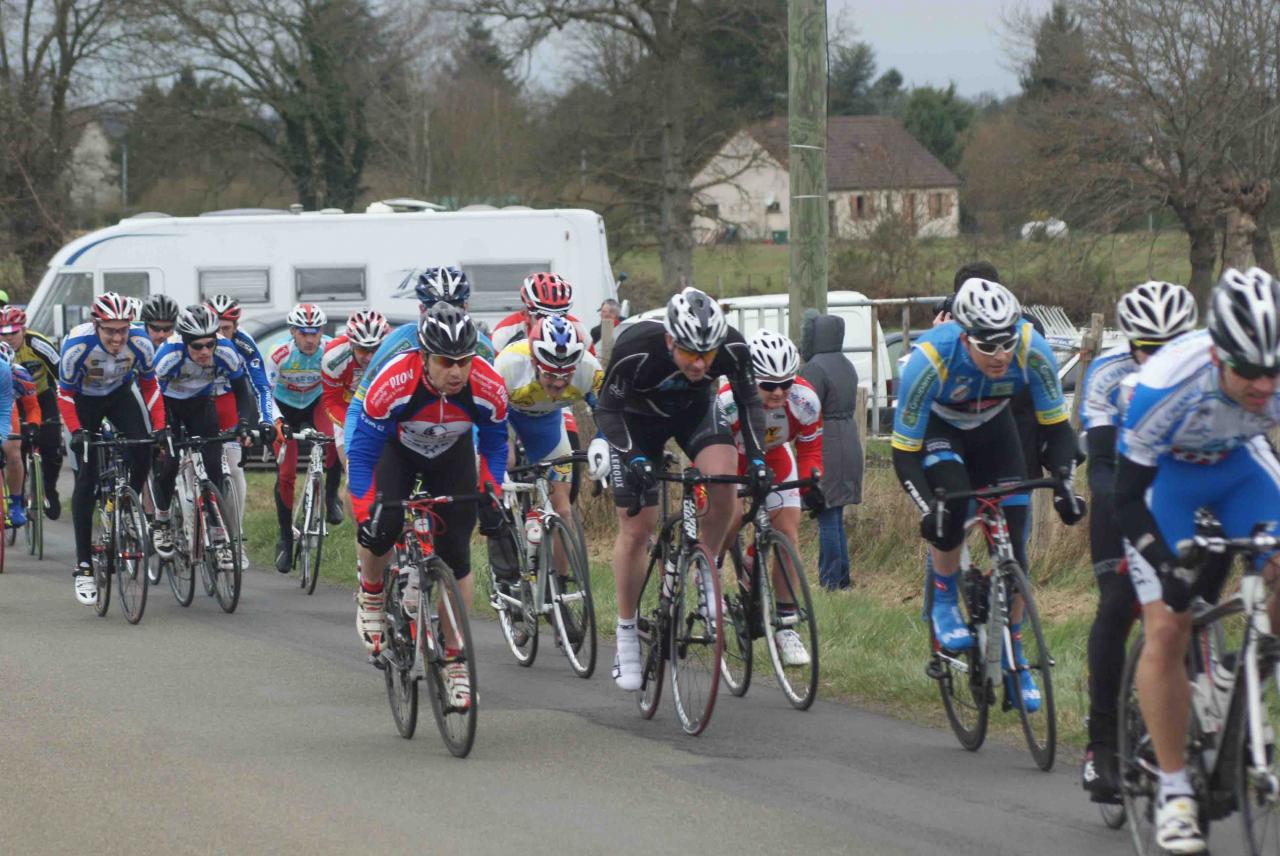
(784, 516)
(50, 443)
(90, 410)
(13, 472)
(454, 472)
(393, 479)
(333, 467)
(286, 476)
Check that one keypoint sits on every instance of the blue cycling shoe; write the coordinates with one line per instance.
(948, 624)
(1027, 689)
(17, 516)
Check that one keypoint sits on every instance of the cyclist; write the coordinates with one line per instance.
(953, 427)
(1193, 437)
(545, 374)
(39, 356)
(159, 314)
(792, 412)
(343, 365)
(293, 370)
(105, 372)
(24, 422)
(227, 310)
(542, 294)
(660, 385)
(1149, 316)
(426, 403)
(187, 371)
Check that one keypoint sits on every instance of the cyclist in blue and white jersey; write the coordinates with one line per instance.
(1149, 315)
(105, 372)
(1193, 437)
(953, 428)
(188, 371)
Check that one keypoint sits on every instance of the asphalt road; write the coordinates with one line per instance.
(266, 732)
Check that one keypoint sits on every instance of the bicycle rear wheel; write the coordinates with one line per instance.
(398, 662)
(222, 555)
(181, 574)
(697, 640)
(1040, 727)
(457, 724)
(131, 556)
(735, 665)
(961, 675)
(101, 544)
(572, 610)
(311, 537)
(798, 679)
(651, 632)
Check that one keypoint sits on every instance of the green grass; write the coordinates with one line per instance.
(873, 646)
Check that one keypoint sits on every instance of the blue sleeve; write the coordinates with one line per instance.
(491, 440)
(6, 396)
(145, 352)
(1148, 425)
(1046, 391)
(919, 385)
(257, 372)
(364, 441)
(168, 359)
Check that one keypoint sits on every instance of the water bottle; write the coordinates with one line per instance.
(532, 532)
(407, 582)
(668, 578)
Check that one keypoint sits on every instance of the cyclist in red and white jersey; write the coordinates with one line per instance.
(343, 364)
(543, 294)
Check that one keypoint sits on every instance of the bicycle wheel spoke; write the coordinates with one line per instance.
(1259, 786)
(791, 633)
(131, 556)
(569, 594)
(1139, 773)
(1029, 682)
(398, 663)
(222, 558)
(457, 723)
(182, 578)
(696, 640)
(961, 676)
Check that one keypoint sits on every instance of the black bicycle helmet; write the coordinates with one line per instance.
(447, 331)
(159, 308)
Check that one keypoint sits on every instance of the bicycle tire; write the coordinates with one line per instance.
(226, 583)
(651, 631)
(735, 665)
(35, 526)
(1136, 756)
(572, 609)
(1040, 728)
(457, 727)
(130, 559)
(398, 662)
(697, 639)
(965, 692)
(799, 682)
(102, 544)
(1256, 805)
(178, 568)
(1113, 815)
(311, 537)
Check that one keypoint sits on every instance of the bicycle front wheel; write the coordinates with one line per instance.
(1256, 786)
(1139, 779)
(311, 539)
(34, 493)
(398, 661)
(456, 721)
(131, 555)
(651, 632)
(697, 640)
(735, 665)
(1039, 723)
(790, 629)
(178, 568)
(222, 554)
(101, 543)
(961, 675)
(572, 609)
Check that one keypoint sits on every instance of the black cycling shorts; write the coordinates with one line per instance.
(693, 430)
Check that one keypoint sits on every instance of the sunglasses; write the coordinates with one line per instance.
(114, 332)
(990, 349)
(557, 374)
(450, 362)
(1248, 371)
(201, 346)
(771, 385)
(707, 357)
(161, 328)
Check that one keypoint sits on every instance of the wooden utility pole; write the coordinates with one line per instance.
(807, 156)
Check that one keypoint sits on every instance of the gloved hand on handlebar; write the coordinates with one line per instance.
(164, 439)
(598, 458)
(30, 434)
(933, 525)
(282, 433)
(1070, 506)
(814, 502)
(244, 432)
(641, 475)
(80, 444)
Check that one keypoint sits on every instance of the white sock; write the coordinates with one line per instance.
(626, 628)
(162, 516)
(1175, 784)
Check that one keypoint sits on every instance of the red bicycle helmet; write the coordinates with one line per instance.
(546, 294)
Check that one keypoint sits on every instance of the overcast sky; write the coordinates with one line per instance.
(937, 41)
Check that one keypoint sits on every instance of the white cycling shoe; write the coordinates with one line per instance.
(791, 648)
(457, 685)
(371, 619)
(1178, 827)
(626, 664)
(162, 539)
(86, 587)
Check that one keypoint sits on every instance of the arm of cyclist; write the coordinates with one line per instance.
(145, 377)
(1058, 439)
(743, 384)
(490, 396)
(612, 401)
(1100, 444)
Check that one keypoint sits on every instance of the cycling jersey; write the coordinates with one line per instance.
(643, 383)
(1105, 394)
(39, 357)
(256, 370)
(339, 375)
(524, 393)
(400, 404)
(798, 419)
(940, 378)
(6, 393)
(88, 369)
(294, 376)
(24, 391)
(180, 377)
(514, 327)
(403, 338)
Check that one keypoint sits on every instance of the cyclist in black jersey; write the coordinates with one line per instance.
(39, 357)
(660, 385)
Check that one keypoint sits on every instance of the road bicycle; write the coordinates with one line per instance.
(205, 530)
(751, 609)
(1235, 705)
(119, 539)
(678, 619)
(968, 679)
(309, 526)
(428, 632)
(553, 582)
(33, 498)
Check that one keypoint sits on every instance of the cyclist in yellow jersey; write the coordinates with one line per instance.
(39, 356)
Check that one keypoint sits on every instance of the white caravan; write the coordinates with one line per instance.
(271, 259)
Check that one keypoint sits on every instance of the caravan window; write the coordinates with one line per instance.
(130, 283)
(329, 283)
(497, 286)
(247, 285)
(71, 290)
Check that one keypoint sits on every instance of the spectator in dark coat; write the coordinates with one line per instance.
(831, 374)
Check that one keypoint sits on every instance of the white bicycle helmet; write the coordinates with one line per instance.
(773, 356)
(226, 307)
(1244, 317)
(306, 315)
(554, 344)
(367, 328)
(110, 306)
(1156, 311)
(986, 310)
(695, 321)
(197, 321)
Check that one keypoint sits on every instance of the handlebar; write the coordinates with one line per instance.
(993, 491)
(121, 442)
(572, 458)
(1193, 551)
(193, 442)
(311, 435)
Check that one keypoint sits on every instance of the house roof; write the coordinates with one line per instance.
(864, 153)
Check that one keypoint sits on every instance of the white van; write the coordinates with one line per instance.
(271, 259)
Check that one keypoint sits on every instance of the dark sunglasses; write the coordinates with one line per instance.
(771, 385)
(449, 362)
(1248, 371)
(200, 346)
(160, 328)
(990, 349)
